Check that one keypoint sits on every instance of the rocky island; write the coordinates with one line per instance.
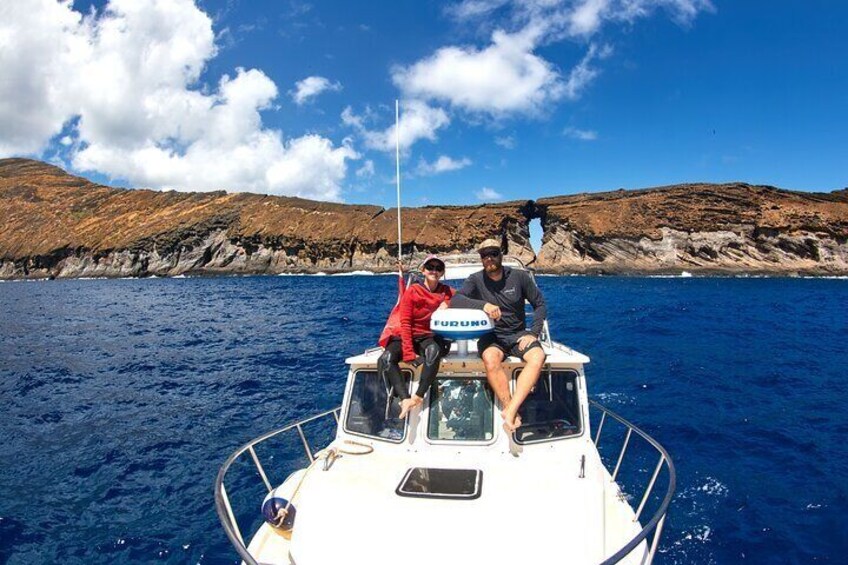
(53, 224)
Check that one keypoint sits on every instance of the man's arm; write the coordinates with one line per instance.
(468, 296)
(540, 310)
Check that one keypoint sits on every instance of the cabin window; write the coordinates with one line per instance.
(374, 408)
(460, 410)
(552, 410)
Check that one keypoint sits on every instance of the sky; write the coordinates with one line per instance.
(500, 100)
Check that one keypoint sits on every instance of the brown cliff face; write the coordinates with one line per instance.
(696, 227)
(53, 224)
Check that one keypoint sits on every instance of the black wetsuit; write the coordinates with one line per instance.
(432, 348)
(508, 294)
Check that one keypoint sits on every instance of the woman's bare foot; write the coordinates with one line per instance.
(408, 404)
(512, 421)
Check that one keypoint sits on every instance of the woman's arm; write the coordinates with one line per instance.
(406, 308)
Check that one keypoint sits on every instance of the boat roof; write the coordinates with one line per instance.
(557, 354)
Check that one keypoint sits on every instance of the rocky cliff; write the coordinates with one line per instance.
(56, 225)
(53, 224)
(697, 228)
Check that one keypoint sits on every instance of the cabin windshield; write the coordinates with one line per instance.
(374, 410)
(461, 410)
(552, 410)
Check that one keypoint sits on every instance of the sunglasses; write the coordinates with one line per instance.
(491, 254)
(434, 267)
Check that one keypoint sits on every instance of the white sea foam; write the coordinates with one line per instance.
(354, 273)
(713, 487)
(614, 398)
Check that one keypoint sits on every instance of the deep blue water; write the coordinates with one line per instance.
(121, 399)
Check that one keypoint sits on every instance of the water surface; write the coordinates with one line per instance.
(122, 398)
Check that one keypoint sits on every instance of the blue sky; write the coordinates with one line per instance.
(503, 100)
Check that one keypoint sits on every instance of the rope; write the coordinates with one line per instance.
(329, 457)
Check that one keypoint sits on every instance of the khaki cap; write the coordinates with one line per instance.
(488, 244)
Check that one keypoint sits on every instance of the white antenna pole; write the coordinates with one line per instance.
(397, 171)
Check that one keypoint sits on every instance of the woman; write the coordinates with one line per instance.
(413, 336)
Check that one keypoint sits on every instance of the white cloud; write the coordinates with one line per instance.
(311, 87)
(577, 18)
(366, 170)
(503, 78)
(418, 120)
(474, 8)
(506, 141)
(123, 84)
(508, 77)
(486, 194)
(441, 165)
(582, 75)
(581, 134)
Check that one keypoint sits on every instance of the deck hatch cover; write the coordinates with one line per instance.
(425, 482)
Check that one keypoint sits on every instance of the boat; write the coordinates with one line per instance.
(448, 484)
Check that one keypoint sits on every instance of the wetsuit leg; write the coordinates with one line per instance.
(388, 367)
(432, 349)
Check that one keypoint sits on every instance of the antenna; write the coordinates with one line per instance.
(397, 172)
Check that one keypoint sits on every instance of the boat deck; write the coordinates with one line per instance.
(352, 512)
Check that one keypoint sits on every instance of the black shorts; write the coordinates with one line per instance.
(508, 344)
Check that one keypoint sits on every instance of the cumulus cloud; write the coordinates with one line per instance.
(418, 120)
(311, 87)
(503, 78)
(123, 84)
(508, 77)
(441, 165)
(581, 134)
(486, 194)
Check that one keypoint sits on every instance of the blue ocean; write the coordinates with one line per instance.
(122, 398)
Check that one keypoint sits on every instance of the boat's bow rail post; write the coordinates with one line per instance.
(654, 526)
(222, 501)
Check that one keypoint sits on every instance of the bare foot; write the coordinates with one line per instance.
(408, 404)
(512, 421)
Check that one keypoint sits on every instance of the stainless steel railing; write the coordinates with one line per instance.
(222, 500)
(655, 524)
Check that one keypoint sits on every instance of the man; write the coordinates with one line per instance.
(500, 292)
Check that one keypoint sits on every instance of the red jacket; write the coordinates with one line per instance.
(416, 307)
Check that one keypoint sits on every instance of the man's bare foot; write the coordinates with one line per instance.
(512, 421)
(408, 404)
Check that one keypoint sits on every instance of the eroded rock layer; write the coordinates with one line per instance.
(696, 228)
(53, 224)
